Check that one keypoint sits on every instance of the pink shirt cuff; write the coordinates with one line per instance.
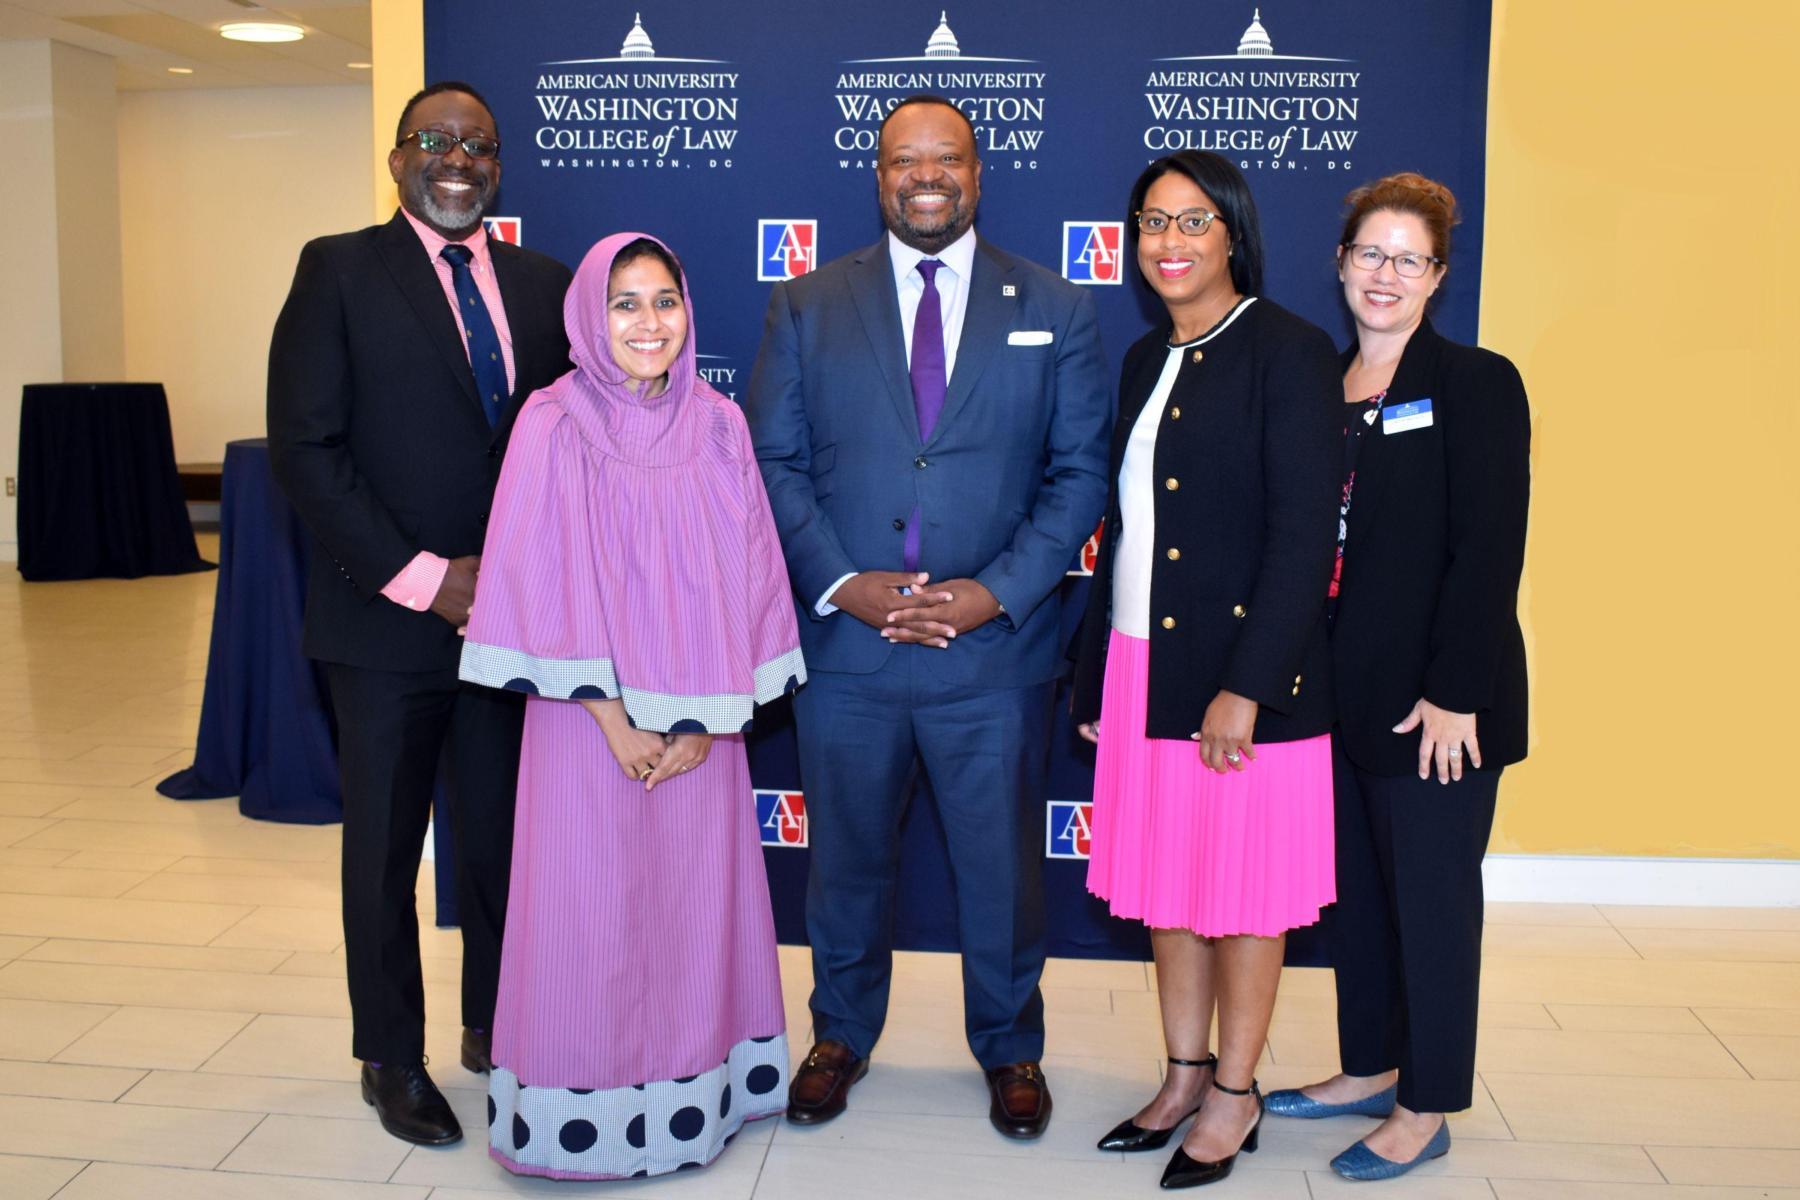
(416, 586)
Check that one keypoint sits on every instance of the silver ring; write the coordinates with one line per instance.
(1232, 756)
(1456, 752)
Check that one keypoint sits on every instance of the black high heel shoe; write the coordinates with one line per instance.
(1130, 1137)
(1184, 1172)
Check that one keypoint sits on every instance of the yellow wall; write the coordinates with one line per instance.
(397, 28)
(1641, 268)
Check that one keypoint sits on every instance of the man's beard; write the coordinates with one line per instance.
(956, 222)
(456, 218)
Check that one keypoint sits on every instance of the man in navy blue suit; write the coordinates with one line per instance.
(931, 415)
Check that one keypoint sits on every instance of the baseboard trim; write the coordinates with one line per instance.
(1585, 879)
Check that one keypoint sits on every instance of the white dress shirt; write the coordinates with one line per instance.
(953, 297)
(1136, 552)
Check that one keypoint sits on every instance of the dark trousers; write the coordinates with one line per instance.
(394, 729)
(861, 739)
(1406, 929)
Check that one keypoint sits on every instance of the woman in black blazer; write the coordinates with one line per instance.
(1429, 668)
(1203, 653)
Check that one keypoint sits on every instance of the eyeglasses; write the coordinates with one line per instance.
(1191, 222)
(436, 142)
(1371, 258)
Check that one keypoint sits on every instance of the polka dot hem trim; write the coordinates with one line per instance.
(650, 1128)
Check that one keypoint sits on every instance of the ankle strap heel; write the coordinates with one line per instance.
(1211, 1060)
(1252, 1090)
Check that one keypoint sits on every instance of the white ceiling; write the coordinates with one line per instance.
(147, 37)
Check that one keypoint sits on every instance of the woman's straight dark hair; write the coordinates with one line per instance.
(1220, 179)
(631, 251)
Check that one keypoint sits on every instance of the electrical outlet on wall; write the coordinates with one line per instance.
(12, 486)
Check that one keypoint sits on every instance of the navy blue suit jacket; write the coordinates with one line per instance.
(1009, 485)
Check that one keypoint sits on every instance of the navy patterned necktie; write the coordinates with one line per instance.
(478, 324)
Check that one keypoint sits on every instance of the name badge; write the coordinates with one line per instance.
(1398, 418)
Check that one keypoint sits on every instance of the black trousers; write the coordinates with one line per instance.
(394, 729)
(1405, 932)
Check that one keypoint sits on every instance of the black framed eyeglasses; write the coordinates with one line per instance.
(437, 143)
(1406, 263)
(1190, 222)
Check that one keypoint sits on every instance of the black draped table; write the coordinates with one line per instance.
(98, 492)
(266, 733)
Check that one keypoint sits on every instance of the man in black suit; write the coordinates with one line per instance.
(398, 364)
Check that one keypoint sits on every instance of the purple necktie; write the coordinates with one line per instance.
(929, 382)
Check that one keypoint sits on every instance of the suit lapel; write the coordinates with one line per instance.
(986, 316)
(877, 303)
(1374, 461)
(414, 275)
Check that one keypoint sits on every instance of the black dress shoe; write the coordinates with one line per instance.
(409, 1104)
(1128, 1136)
(1185, 1172)
(1020, 1100)
(821, 1087)
(477, 1050)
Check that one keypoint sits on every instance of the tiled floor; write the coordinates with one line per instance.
(173, 1022)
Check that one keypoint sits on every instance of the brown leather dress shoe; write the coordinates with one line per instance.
(1021, 1107)
(822, 1083)
(477, 1050)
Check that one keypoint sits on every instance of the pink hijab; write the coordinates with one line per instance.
(609, 406)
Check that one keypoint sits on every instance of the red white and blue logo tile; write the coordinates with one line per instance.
(1067, 828)
(786, 249)
(781, 818)
(1093, 252)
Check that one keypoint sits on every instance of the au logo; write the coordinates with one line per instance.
(781, 817)
(1090, 552)
(1068, 829)
(504, 229)
(786, 249)
(1093, 251)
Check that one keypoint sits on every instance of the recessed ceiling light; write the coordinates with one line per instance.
(360, 66)
(181, 70)
(260, 31)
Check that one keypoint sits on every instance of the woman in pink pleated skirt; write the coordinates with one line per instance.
(1202, 667)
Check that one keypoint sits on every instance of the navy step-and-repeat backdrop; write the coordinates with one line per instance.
(744, 136)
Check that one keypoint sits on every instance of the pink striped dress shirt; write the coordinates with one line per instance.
(417, 584)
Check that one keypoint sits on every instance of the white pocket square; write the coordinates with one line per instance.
(1029, 337)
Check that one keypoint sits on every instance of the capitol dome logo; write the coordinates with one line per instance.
(941, 45)
(637, 48)
(1006, 107)
(1255, 44)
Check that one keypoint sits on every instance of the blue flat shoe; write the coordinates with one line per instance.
(1361, 1163)
(1292, 1102)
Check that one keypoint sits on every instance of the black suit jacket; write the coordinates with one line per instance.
(1432, 557)
(376, 433)
(1250, 440)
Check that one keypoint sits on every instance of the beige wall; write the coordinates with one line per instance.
(60, 295)
(219, 190)
(85, 98)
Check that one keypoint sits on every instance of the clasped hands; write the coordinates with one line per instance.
(644, 754)
(926, 613)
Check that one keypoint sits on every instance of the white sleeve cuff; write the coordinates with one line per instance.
(825, 607)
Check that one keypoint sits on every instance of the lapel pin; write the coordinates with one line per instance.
(1007, 289)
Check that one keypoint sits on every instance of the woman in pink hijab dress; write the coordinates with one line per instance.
(632, 584)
